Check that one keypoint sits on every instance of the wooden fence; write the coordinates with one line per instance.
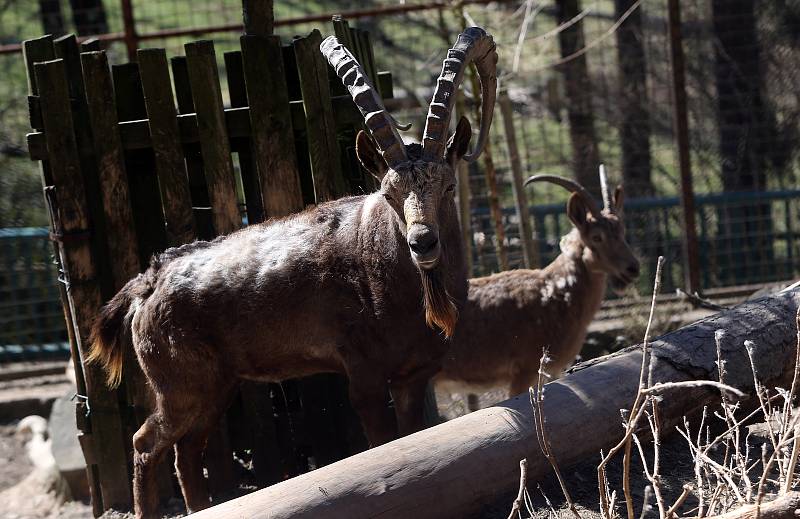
(135, 161)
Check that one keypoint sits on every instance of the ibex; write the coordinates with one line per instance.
(512, 316)
(367, 286)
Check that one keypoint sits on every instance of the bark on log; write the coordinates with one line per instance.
(451, 470)
(784, 507)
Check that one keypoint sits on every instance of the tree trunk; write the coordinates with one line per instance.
(744, 137)
(51, 17)
(633, 103)
(585, 153)
(451, 470)
(89, 17)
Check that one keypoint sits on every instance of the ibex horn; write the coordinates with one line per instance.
(473, 45)
(571, 186)
(607, 205)
(381, 125)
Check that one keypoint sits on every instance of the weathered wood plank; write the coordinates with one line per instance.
(201, 64)
(256, 426)
(320, 124)
(201, 205)
(140, 165)
(36, 51)
(271, 125)
(119, 224)
(166, 142)
(84, 292)
(214, 144)
(148, 217)
(455, 468)
(234, 70)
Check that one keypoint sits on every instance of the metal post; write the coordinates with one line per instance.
(129, 22)
(681, 125)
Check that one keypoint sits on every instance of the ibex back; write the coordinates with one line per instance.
(367, 286)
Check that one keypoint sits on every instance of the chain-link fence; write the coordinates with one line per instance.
(590, 82)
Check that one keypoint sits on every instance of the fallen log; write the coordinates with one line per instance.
(453, 469)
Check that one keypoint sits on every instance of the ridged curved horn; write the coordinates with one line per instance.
(569, 185)
(380, 123)
(473, 45)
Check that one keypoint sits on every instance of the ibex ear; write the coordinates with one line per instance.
(369, 156)
(458, 145)
(619, 199)
(577, 210)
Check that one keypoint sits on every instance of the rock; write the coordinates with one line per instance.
(67, 452)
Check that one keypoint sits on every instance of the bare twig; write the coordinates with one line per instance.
(636, 409)
(537, 401)
(523, 480)
(687, 489)
(698, 302)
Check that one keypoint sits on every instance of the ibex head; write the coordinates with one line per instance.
(601, 231)
(418, 180)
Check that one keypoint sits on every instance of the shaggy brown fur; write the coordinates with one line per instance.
(512, 316)
(333, 289)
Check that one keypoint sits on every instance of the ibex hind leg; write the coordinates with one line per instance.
(150, 443)
(189, 452)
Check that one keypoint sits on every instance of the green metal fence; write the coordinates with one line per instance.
(31, 319)
(745, 237)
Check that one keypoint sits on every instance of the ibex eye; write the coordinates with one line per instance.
(450, 188)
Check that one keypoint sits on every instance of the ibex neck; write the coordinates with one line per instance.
(585, 283)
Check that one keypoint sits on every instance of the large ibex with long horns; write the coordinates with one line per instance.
(512, 316)
(368, 286)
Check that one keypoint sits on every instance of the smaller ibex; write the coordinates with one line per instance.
(512, 316)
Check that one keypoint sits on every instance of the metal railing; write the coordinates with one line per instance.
(744, 237)
(31, 318)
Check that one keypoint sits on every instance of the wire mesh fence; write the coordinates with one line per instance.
(588, 81)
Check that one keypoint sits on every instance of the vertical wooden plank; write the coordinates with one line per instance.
(118, 216)
(111, 168)
(201, 206)
(271, 124)
(90, 45)
(201, 64)
(67, 48)
(148, 216)
(84, 292)
(165, 138)
(320, 124)
(234, 70)
(256, 424)
(140, 165)
(36, 51)
(214, 144)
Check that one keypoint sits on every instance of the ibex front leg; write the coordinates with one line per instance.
(409, 400)
(369, 396)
